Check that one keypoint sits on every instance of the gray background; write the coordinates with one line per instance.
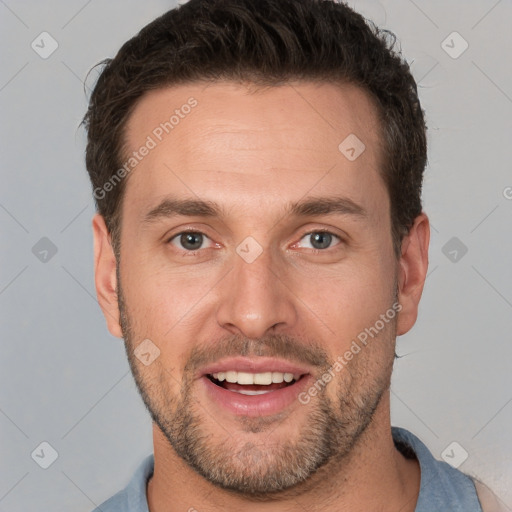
(65, 380)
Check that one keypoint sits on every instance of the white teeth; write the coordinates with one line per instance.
(263, 378)
(245, 378)
(251, 393)
(260, 379)
(277, 377)
(230, 376)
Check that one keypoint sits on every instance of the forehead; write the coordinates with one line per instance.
(236, 144)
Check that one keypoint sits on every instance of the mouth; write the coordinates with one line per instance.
(252, 384)
(254, 387)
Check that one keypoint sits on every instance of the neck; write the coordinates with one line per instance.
(374, 476)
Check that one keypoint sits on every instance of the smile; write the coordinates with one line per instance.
(254, 387)
(252, 384)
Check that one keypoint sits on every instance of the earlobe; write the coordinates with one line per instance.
(412, 271)
(105, 277)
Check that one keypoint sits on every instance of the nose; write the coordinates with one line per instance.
(254, 298)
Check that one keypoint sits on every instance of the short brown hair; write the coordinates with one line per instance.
(265, 42)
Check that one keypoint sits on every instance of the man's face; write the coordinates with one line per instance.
(258, 288)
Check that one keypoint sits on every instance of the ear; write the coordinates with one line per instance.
(105, 275)
(412, 272)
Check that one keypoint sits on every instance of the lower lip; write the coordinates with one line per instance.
(266, 404)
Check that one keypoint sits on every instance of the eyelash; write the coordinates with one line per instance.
(310, 250)
(184, 252)
(323, 231)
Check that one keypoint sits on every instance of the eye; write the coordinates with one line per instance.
(320, 240)
(189, 240)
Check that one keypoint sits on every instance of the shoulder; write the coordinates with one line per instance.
(133, 497)
(441, 485)
(488, 500)
(117, 503)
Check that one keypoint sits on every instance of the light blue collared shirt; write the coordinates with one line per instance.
(443, 488)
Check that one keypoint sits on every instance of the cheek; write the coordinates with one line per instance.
(159, 291)
(349, 298)
(167, 307)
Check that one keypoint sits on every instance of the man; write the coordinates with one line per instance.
(259, 244)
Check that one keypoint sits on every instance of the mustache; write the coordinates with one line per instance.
(295, 349)
(273, 345)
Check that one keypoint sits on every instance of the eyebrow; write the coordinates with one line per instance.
(332, 205)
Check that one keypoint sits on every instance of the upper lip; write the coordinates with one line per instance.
(255, 365)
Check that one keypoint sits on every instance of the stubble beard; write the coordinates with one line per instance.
(262, 469)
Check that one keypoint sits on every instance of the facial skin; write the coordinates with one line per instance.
(253, 153)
